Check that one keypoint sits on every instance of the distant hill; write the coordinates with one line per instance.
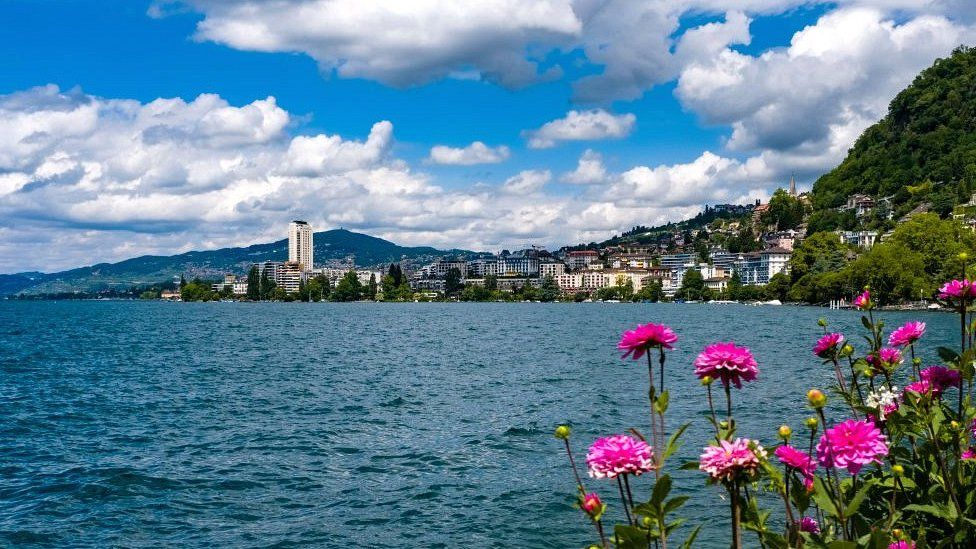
(922, 152)
(329, 245)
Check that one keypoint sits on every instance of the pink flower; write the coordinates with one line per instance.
(851, 445)
(799, 460)
(592, 504)
(957, 289)
(863, 301)
(940, 378)
(729, 459)
(973, 427)
(923, 387)
(727, 362)
(636, 342)
(902, 545)
(886, 358)
(969, 455)
(907, 334)
(808, 524)
(828, 345)
(619, 454)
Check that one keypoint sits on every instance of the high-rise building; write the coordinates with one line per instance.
(300, 244)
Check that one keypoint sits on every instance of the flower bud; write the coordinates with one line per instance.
(897, 533)
(592, 505)
(822, 322)
(562, 432)
(816, 398)
(723, 424)
(954, 425)
(646, 521)
(963, 256)
(898, 470)
(785, 432)
(707, 380)
(812, 423)
(847, 350)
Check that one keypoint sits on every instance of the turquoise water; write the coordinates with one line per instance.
(147, 424)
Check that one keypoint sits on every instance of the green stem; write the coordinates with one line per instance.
(736, 535)
(572, 463)
(623, 499)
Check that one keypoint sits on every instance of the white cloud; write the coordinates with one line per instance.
(581, 126)
(589, 170)
(397, 43)
(527, 182)
(817, 95)
(88, 179)
(475, 153)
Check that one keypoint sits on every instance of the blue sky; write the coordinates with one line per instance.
(667, 106)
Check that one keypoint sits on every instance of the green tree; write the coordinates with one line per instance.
(388, 287)
(778, 287)
(253, 284)
(785, 211)
(549, 290)
(267, 285)
(818, 253)
(652, 291)
(893, 271)
(937, 242)
(371, 287)
(735, 286)
(452, 282)
(491, 282)
(348, 288)
(692, 286)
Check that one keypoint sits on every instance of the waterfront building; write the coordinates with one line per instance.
(551, 268)
(757, 268)
(240, 286)
(580, 259)
(724, 259)
(290, 276)
(482, 267)
(518, 266)
(674, 262)
(271, 269)
(300, 244)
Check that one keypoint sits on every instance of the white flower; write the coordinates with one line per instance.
(881, 399)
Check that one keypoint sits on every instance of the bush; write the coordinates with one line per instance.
(899, 471)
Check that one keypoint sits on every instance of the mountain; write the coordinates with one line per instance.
(923, 153)
(335, 245)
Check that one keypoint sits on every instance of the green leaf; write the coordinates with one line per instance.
(841, 545)
(661, 403)
(822, 496)
(945, 511)
(690, 542)
(947, 354)
(673, 445)
(661, 489)
(867, 323)
(674, 503)
(629, 537)
(851, 508)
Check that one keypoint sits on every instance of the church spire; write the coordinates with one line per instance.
(792, 185)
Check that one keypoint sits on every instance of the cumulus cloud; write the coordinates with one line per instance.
(85, 179)
(397, 43)
(581, 126)
(817, 95)
(589, 170)
(475, 153)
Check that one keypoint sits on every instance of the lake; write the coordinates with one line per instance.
(143, 424)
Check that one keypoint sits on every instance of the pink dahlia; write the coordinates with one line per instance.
(907, 334)
(799, 460)
(727, 362)
(969, 455)
(619, 454)
(940, 378)
(828, 345)
(636, 342)
(852, 445)
(863, 301)
(886, 358)
(725, 461)
(902, 545)
(808, 524)
(923, 387)
(957, 289)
